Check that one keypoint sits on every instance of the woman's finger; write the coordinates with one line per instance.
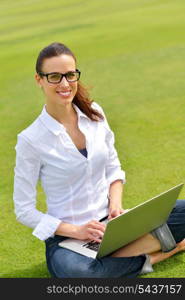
(97, 225)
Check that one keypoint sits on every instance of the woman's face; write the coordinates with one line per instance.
(58, 93)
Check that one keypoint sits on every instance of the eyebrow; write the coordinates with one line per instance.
(60, 72)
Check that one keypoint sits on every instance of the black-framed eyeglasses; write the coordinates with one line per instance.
(55, 77)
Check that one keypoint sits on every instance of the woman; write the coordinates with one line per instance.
(70, 148)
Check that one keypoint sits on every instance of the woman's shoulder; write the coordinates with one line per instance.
(104, 122)
(32, 133)
(97, 107)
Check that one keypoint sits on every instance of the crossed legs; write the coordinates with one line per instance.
(150, 245)
(147, 244)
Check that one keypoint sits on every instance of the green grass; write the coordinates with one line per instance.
(131, 53)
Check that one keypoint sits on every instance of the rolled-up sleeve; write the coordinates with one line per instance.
(27, 170)
(113, 166)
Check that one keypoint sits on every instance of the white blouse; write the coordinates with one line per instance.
(76, 187)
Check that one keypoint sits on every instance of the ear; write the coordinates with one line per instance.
(38, 80)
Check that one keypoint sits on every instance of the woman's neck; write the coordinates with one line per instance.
(63, 114)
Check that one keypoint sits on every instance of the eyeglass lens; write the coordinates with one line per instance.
(57, 77)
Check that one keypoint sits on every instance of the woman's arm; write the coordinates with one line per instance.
(114, 174)
(115, 199)
(93, 230)
(27, 169)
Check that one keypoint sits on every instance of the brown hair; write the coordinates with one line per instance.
(82, 98)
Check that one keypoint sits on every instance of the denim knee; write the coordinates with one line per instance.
(67, 264)
(176, 221)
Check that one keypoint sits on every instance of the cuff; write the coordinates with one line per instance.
(147, 267)
(46, 227)
(165, 237)
(117, 176)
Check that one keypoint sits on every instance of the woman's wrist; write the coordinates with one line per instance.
(115, 202)
(68, 230)
(115, 194)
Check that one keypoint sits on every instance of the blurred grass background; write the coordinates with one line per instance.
(132, 56)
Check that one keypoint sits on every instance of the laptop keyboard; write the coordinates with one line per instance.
(92, 245)
(95, 245)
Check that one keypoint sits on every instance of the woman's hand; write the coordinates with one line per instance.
(92, 231)
(115, 211)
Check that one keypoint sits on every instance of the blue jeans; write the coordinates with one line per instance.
(64, 263)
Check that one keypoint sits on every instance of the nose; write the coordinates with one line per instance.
(64, 82)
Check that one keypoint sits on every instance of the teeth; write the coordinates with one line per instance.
(64, 93)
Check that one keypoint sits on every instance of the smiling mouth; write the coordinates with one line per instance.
(64, 94)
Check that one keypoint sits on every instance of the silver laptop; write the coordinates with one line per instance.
(129, 226)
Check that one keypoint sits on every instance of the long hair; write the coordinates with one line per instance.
(82, 98)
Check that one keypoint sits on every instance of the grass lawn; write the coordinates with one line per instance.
(132, 56)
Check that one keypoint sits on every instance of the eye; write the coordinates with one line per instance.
(71, 76)
(55, 77)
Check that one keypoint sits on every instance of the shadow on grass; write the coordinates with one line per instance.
(37, 271)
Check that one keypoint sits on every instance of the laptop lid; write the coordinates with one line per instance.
(138, 221)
